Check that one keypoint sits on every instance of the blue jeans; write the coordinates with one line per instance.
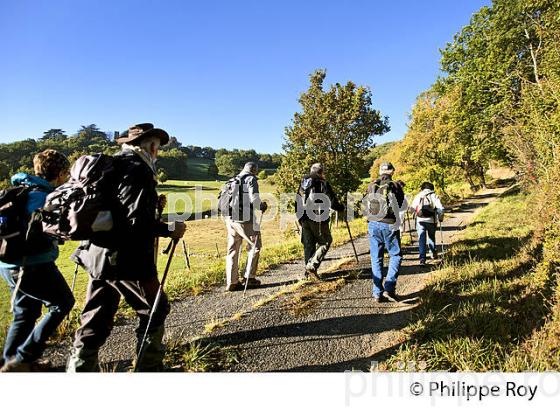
(382, 237)
(426, 233)
(41, 284)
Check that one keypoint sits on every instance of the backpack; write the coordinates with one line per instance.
(312, 202)
(230, 198)
(425, 208)
(20, 234)
(379, 207)
(81, 207)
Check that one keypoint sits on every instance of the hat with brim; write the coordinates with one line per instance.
(141, 131)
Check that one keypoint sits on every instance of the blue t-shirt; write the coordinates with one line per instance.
(36, 199)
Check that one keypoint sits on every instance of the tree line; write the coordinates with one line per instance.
(173, 161)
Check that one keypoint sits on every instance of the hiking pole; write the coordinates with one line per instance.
(441, 235)
(352, 240)
(155, 305)
(186, 253)
(409, 227)
(74, 278)
(251, 255)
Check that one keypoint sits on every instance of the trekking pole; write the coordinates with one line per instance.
(18, 284)
(155, 305)
(409, 227)
(441, 235)
(251, 255)
(74, 278)
(186, 253)
(352, 241)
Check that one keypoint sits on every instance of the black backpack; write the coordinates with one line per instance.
(308, 190)
(231, 199)
(379, 207)
(20, 234)
(425, 208)
(80, 208)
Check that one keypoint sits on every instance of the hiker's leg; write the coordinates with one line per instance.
(46, 284)
(26, 312)
(141, 295)
(421, 228)
(308, 240)
(102, 301)
(376, 249)
(232, 257)
(253, 254)
(392, 242)
(431, 234)
(324, 240)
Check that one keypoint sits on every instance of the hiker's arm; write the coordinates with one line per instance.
(439, 207)
(254, 197)
(139, 216)
(335, 204)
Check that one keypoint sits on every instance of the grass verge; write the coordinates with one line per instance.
(490, 304)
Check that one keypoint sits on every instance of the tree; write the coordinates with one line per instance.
(54, 134)
(335, 127)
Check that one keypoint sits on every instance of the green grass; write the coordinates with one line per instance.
(197, 169)
(487, 300)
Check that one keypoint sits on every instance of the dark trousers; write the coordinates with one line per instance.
(316, 239)
(102, 301)
(41, 285)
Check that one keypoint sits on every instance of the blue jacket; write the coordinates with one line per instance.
(35, 201)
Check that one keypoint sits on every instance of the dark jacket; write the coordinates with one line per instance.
(127, 252)
(318, 185)
(395, 188)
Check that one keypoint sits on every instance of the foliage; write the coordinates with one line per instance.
(335, 127)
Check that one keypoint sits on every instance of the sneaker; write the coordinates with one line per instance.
(422, 261)
(251, 283)
(435, 256)
(392, 296)
(14, 366)
(234, 287)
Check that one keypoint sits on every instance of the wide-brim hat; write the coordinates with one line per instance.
(139, 131)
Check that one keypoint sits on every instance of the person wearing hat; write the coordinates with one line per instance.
(121, 263)
(384, 232)
(313, 216)
(241, 225)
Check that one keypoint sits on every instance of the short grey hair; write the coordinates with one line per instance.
(250, 167)
(316, 168)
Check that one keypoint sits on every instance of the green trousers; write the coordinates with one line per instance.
(316, 239)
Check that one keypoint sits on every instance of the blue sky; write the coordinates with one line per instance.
(212, 73)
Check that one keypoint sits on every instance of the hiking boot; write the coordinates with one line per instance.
(234, 287)
(435, 255)
(392, 296)
(312, 274)
(252, 283)
(82, 360)
(15, 366)
(379, 299)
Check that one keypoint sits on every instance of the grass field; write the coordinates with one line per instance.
(481, 310)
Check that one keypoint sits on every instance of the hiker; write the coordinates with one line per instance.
(121, 262)
(385, 201)
(241, 225)
(429, 211)
(33, 277)
(314, 217)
